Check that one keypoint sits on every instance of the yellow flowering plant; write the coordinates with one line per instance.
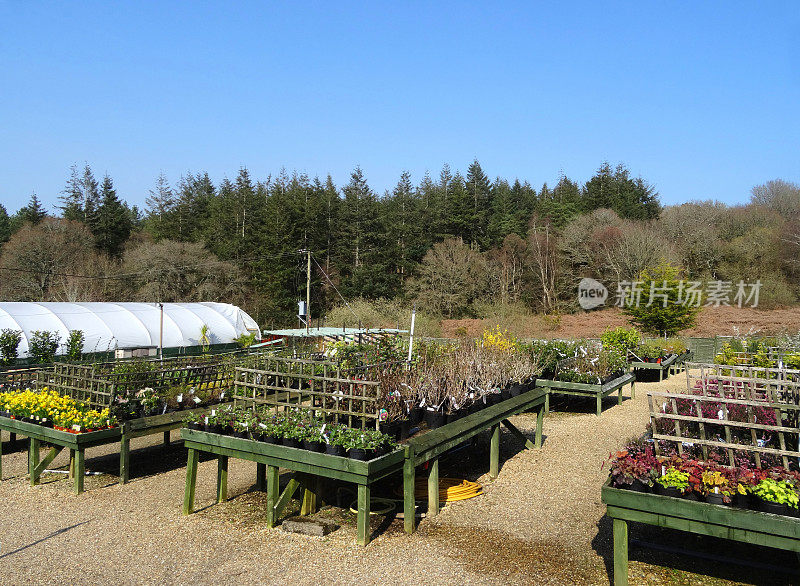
(50, 408)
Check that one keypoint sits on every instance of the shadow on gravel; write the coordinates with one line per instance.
(38, 541)
(581, 405)
(670, 552)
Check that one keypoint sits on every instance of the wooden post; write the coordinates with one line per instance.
(539, 426)
(308, 506)
(72, 464)
(124, 458)
(363, 514)
(261, 477)
(619, 396)
(599, 404)
(33, 461)
(547, 401)
(80, 471)
(1, 456)
(272, 494)
(222, 479)
(620, 552)
(433, 488)
(494, 452)
(408, 494)
(191, 480)
(166, 438)
(633, 390)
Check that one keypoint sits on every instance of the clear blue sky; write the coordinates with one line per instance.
(702, 99)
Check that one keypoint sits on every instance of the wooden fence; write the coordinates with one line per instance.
(283, 383)
(731, 409)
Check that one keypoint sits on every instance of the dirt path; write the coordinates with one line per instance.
(541, 521)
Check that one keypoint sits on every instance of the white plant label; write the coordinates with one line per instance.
(179, 398)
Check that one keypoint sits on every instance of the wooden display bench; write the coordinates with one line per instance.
(624, 506)
(271, 457)
(429, 446)
(599, 392)
(78, 442)
(666, 368)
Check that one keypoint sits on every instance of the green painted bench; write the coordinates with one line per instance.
(599, 392)
(624, 506)
(428, 447)
(271, 457)
(77, 443)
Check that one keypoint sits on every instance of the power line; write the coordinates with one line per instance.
(334, 286)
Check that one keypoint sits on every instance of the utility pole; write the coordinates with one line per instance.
(308, 291)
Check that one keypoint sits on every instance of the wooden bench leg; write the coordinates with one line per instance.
(363, 514)
(166, 437)
(619, 396)
(124, 459)
(273, 485)
(620, 552)
(1, 456)
(409, 482)
(433, 489)
(222, 479)
(633, 390)
(599, 404)
(191, 480)
(539, 427)
(261, 477)
(79, 471)
(33, 460)
(547, 401)
(494, 452)
(308, 505)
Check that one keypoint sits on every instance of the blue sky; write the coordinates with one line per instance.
(701, 99)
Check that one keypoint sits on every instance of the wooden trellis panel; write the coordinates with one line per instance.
(19, 378)
(747, 391)
(336, 398)
(79, 382)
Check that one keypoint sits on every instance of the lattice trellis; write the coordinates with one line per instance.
(731, 408)
(283, 383)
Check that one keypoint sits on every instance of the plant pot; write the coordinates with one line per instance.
(692, 496)
(391, 428)
(516, 390)
(770, 507)
(434, 419)
(741, 501)
(405, 429)
(313, 446)
(241, 434)
(454, 416)
(670, 491)
(291, 442)
(212, 428)
(415, 415)
(639, 486)
(715, 499)
(195, 426)
(333, 450)
(359, 454)
(505, 394)
(268, 439)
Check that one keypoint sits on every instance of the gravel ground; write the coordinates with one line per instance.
(541, 521)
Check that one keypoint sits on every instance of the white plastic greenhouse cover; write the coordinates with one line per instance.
(109, 326)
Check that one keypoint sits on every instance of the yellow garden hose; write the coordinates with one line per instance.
(450, 490)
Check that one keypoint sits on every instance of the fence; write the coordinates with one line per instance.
(285, 383)
(731, 409)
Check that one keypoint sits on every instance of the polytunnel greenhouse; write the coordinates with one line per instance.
(115, 326)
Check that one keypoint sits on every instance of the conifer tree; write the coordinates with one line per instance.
(113, 226)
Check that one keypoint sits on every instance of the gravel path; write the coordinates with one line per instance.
(541, 521)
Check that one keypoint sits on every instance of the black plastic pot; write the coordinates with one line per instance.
(770, 507)
(741, 501)
(434, 419)
(391, 428)
(332, 450)
(667, 490)
(313, 446)
(639, 486)
(212, 428)
(195, 426)
(359, 454)
(505, 394)
(405, 429)
(454, 416)
(714, 499)
(692, 496)
(291, 442)
(415, 415)
(241, 434)
(516, 390)
(268, 439)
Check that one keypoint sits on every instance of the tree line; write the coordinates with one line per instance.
(452, 242)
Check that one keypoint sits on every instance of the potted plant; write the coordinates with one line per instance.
(715, 487)
(194, 421)
(672, 483)
(776, 496)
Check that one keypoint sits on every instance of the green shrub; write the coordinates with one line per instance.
(623, 338)
(75, 345)
(43, 345)
(658, 318)
(9, 345)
